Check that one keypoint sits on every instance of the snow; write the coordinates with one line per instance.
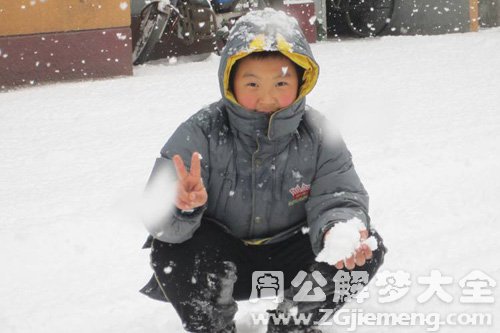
(284, 70)
(252, 24)
(342, 241)
(121, 36)
(262, 18)
(123, 5)
(296, 175)
(419, 114)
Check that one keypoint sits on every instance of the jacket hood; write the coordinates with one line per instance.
(267, 30)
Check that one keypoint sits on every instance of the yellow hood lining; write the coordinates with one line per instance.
(311, 69)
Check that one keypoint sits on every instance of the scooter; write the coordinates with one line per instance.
(190, 21)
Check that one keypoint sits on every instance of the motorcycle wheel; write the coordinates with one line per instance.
(368, 18)
(152, 27)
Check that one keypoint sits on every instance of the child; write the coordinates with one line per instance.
(262, 166)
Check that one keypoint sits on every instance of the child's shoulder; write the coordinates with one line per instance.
(318, 123)
(313, 116)
(314, 119)
(209, 117)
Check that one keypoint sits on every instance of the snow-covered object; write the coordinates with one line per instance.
(342, 241)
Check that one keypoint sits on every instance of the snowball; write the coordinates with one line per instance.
(342, 241)
(371, 242)
(167, 270)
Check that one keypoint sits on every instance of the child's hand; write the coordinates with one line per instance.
(191, 192)
(363, 253)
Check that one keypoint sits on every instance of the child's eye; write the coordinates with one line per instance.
(251, 84)
(282, 84)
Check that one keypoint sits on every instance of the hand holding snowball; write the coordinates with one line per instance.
(191, 192)
(360, 256)
(347, 245)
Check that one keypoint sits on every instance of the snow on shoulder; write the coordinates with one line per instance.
(342, 241)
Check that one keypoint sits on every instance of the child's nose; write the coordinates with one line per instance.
(267, 103)
(267, 96)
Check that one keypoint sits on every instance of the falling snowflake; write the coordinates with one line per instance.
(121, 36)
(297, 176)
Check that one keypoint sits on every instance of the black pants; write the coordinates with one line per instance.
(204, 276)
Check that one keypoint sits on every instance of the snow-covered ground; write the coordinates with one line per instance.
(421, 116)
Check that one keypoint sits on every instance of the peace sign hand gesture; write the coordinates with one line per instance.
(191, 192)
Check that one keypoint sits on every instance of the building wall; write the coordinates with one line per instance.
(489, 13)
(56, 40)
(426, 17)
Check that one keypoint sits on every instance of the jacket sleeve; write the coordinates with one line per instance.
(163, 220)
(337, 194)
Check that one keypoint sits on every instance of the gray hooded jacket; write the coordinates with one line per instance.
(266, 176)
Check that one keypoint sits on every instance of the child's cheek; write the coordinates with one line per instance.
(248, 102)
(287, 100)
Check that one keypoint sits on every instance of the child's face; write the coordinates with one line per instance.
(265, 85)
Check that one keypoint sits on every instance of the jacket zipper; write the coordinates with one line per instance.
(271, 120)
(270, 125)
(253, 187)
